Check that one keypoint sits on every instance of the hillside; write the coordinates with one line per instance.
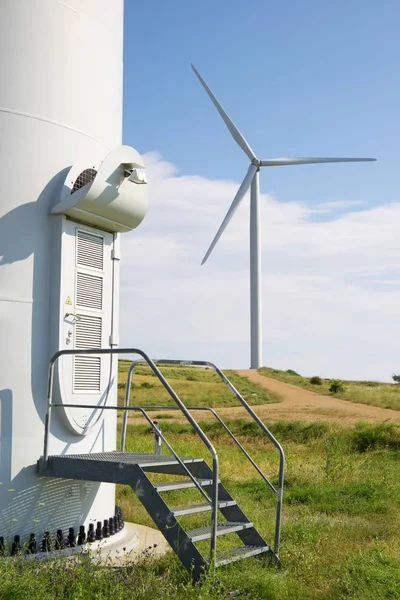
(195, 386)
(375, 393)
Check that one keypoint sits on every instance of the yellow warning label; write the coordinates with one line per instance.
(68, 300)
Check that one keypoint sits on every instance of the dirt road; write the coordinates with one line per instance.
(297, 404)
(300, 404)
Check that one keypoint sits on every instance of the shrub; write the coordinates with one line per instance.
(316, 380)
(367, 436)
(396, 378)
(122, 385)
(336, 386)
(291, 372)
(147, 385)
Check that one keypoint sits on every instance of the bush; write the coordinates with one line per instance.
(291, 372)
(316, 380)
(367, 436)
(396, 378)
(336, 386)
(147, 385)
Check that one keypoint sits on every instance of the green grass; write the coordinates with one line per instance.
(385, 395)
(341, 527)
(341, 521)
(195, 386)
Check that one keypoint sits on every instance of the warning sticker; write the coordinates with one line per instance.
(68, 300)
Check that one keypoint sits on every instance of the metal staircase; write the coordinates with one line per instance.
(132, 469)
(137, 470)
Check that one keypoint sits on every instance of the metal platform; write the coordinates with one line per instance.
(124, 458)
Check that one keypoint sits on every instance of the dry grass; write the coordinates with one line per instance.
(196, 387)
(375, 393)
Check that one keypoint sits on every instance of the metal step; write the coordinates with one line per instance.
(198, 508)
(229, 556)
(170, 467)
(204, 533)
(168, 486)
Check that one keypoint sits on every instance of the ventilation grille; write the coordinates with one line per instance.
(87, 369)
(87, 374)
(90, 250)
(88, 332)
(84, 178)
(89, 291)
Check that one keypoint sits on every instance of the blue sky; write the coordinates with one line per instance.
(299, 78)
(304, 78)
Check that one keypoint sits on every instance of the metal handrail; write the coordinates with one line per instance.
(174, 396)
(156, 430)
(224, 425)
(255, 417)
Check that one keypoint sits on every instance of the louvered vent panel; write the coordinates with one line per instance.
(90, 250)
(87, 373)
(89, 291)
(87, 369)
(88, 332)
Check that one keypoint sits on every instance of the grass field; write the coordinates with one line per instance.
(341, 518)
(385, 395)
(195, 386)
(341, 526)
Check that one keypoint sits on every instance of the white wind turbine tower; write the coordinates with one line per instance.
(252, 179)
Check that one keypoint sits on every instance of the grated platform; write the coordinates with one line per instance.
(131, 458)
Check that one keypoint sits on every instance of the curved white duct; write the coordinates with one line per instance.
(115, 199)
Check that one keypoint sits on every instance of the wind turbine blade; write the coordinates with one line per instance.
(232, 209)
(237, 136)
(281, 162)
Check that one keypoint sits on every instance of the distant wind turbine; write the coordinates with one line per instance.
(252, 179)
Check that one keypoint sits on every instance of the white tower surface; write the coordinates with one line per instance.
(61, 69)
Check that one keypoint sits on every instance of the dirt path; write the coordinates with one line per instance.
(297, 404)
(300, 404)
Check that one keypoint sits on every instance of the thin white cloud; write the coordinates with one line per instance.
(325, 207)
(326, 309)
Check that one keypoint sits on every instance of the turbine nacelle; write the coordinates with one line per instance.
(256, 162)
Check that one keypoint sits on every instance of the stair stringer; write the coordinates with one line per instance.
(169, 526)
